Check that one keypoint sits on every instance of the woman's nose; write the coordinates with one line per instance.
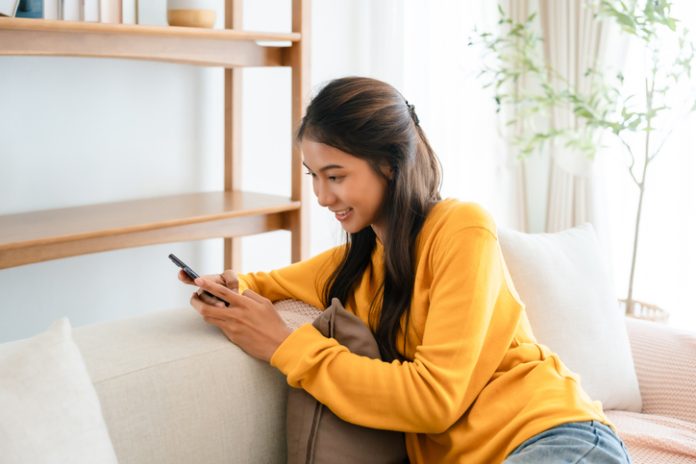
(324, 195)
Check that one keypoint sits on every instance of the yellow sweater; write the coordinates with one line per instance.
(476, 385)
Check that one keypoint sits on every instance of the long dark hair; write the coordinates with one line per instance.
(371, 120)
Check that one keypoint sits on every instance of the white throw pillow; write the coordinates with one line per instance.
(49, 410)
(564, 282)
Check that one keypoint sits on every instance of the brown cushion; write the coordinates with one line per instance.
(317, 435)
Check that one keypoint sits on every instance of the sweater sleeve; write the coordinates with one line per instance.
(301, 281)
(469, 326)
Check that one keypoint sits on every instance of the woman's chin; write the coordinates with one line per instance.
(348, 229)
(354, 229)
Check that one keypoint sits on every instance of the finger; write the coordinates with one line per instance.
(212, 290)
(229, 278)
(185, 278)
(222, 292)
(196, 302)
(217, 278)
(209, 299)
(210, 312)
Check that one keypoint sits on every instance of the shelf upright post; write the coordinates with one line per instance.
(300, 62)
(233, 131)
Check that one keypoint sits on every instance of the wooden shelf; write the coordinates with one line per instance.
(43, 235)
(197, 46)
(32, 237)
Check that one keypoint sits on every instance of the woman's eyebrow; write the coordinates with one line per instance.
(325, 168)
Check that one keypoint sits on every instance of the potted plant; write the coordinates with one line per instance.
(640, 122)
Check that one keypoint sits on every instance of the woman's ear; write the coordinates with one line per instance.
(387, 171)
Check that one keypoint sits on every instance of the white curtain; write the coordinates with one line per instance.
(519, 10)
(574, 40)
(422, 48)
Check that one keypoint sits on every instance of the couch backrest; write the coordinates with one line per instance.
(174, 390)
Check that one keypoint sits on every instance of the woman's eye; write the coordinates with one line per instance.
(335, 178)
(310, 173)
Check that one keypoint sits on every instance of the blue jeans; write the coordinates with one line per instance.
(577, 442)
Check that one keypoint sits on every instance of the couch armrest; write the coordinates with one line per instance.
(174, 390)
(665, 361)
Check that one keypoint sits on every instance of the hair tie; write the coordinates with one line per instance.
(412, 110)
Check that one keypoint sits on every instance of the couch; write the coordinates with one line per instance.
(172, 389)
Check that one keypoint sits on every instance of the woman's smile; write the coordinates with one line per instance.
(343, 215)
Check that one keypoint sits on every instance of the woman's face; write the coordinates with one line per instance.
(347, 185)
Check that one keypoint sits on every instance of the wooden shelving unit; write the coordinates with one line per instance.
(43, 235)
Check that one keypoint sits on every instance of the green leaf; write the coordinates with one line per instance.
(649, 9)
(626, 21)
(633, 125)
(583, 112)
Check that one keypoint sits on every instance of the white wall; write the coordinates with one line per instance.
(76, 131)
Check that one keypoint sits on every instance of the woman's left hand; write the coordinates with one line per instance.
(250, 321)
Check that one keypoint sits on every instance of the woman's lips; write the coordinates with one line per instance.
(343, 214)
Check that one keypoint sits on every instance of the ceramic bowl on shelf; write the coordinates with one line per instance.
(191, 13)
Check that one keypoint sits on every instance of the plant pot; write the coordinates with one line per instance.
(191, 13)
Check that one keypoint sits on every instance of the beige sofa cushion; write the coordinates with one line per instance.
(174, 390)
(49, 411)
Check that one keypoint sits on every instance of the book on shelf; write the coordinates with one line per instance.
(69, 10)
(8, 7)
(105, 11)
(129, 11)
(89, 10)
(110, 11)
(50, 9)
(30, 9)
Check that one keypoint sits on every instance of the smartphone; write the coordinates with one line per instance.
(192, 274)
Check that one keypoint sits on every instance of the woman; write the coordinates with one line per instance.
(461, 372)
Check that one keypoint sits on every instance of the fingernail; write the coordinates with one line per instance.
(198, 281)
